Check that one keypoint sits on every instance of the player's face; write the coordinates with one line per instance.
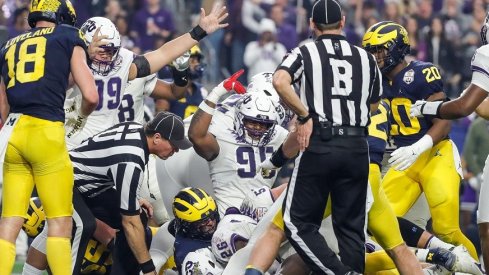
(163, 148)
(255, 129)
(105, 55)
(380, 54)
(207, 226)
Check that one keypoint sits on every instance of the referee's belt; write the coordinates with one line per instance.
(328, 130)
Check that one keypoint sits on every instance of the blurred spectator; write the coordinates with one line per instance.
(440, 51)
(113, 10)
(19, 22)
(150, 22)
(393, 11)
(265, 54)
(418, 47)
(127, 42)
(425, 13)
(286, 33)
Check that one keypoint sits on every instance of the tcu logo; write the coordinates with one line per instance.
(89, 26)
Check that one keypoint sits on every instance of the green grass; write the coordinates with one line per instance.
(18, 268)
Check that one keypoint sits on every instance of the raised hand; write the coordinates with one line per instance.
(232, 83)
(212, 22)
(182, 62)
(229, 84)
(95, 46)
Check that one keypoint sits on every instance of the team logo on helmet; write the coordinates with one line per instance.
(36, 219)
(390, 39)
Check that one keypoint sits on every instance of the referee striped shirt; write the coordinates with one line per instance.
(115, 158)
(338, 81)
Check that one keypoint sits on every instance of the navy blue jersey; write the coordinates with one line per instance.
(419, 80)
(377, 133)
(35, 67)
(184, 245)
(189, 104)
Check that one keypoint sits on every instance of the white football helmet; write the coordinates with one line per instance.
(255, 119)
(108, 28)
(485, 30)
(201, 262)
(262, 83)
(232, 228)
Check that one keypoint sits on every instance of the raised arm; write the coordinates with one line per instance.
(205, 144)
(84, 79)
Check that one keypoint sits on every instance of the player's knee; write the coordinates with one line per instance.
(59, 227)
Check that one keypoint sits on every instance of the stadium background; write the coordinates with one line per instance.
(444, 32)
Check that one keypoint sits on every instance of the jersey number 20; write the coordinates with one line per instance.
(17, 70)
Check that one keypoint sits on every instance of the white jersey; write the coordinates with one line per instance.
(257, 202)
(232, 228)
(110, 89)
(233, 171)
(132, 105)
(480, 67)
(480, 77)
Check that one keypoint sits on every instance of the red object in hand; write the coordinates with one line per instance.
(232, 83)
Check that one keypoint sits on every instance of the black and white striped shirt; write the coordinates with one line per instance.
(338, 81)
(114, 158)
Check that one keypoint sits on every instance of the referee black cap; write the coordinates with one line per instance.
(326, 12)
(170, 127)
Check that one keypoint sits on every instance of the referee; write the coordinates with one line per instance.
(339, 85)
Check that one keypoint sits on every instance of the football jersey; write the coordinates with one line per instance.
(377, 133)
(132, 105)
(189, 104)
(201, 261)
(35, 67)
(232, 228)
(417, 81)
(480, 67)
(110, 92)
(233, 171)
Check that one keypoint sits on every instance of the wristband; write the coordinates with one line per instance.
(148, 266)
(303, 119)
(197, 33)
(278, 158)
(432, 108)
(180, 78)
(206, 108)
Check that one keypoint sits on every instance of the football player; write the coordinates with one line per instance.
(35, 67)
(234, 152)
(426, 160)
(475, 96)
(381, 219)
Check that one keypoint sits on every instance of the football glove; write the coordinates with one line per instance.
(265, 168)
(421, 108)
(74, 119)
(182, 62)
(402, 158)
(229, 84)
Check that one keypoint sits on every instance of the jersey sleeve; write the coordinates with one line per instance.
(150, 84)
(127, 179)
(74, 37)
(293, 64)
(480, 68)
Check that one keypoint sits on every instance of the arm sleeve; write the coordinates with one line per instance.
(128, 177)
(377, 87)
(480, 68)
(292, 63)
(150, 84)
